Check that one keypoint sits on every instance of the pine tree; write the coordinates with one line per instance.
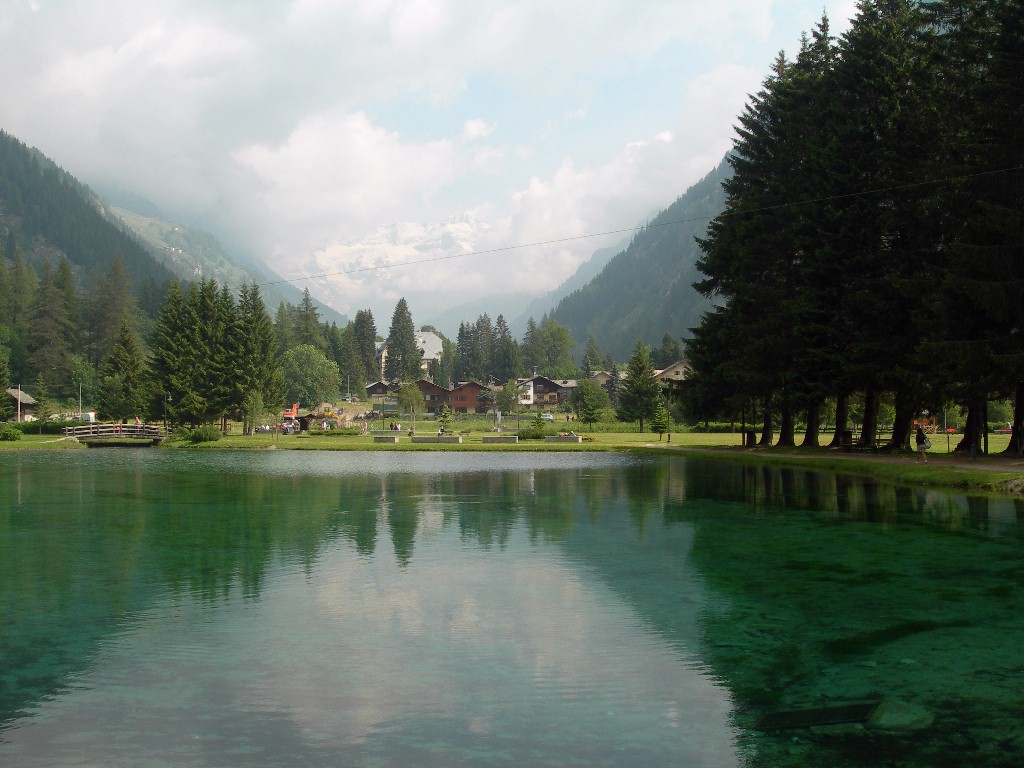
(981, 279)
(307, 323)
(23, 292)
(506, 361)
(588, 401)
(366, 342)
(404, 357)
(49, 337)
(593, 357)
(884, 240)
(123, 392)
(640, 392)
(111, 300)
(353, 372)
(257, 372)
(660, 420)
(167, 354)
(284, 329)
(6, 411)
(532, 348)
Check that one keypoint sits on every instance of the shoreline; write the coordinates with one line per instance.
(995, 473)
(999, 474)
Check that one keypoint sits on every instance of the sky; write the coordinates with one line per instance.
(293, 130)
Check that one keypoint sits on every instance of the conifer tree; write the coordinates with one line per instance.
(353, 373)
(122, 393)
(284, 329)
(640, 392)
(6, 411)
(366, 342)
(49, 337)
(660, 420)
(506, 361)
(307, 323)
(256, 367)
(111, 300)
(404, 357)
(167, 354)
(23, 292)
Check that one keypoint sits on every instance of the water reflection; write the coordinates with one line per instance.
(776, 587)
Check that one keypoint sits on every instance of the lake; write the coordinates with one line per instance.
(163, 608)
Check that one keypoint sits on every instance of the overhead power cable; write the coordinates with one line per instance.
(675, 222)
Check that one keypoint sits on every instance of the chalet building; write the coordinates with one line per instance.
(673, 377)
(377, 389)
(676, 372)
(542, 392)
(433, 395)
(427, 342)
(23, 405)
(604, 378)
(465, 397)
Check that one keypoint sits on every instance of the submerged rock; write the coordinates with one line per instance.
(899, 716)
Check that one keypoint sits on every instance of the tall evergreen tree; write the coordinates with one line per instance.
(23, 293)
(506, 360)
(256, 367)
(882, 149)
(307, 323)
(6, 411)
(366, 342)
(284, 329)
(532, 348)
(167, 354)
(593, 357)
(350, 365)
(404, 357)
(122, 392)
(50, 336)
(111, 300)
(640, 392)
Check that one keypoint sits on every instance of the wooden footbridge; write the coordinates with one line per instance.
(125, 435)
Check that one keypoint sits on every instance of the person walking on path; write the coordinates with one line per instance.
(922, 445)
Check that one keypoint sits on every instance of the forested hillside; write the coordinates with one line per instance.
(647, 289)
(46, 213)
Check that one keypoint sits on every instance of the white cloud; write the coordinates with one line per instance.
(476, 129)
(290, 128)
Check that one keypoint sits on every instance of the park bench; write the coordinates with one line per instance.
(437, 438)
(501, 438)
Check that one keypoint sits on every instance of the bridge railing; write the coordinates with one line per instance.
(116, 431)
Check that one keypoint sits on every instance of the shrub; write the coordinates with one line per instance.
(9, 433)
(207, 433)
(533, 432)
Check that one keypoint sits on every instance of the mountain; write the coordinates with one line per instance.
(587, 271)
(398, 244)
(192, 254)
(647, 289)
(509, 305)
(48, 214)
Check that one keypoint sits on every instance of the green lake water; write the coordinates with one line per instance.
(174, 608)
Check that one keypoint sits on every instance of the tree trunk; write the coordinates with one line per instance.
(787, 425)
(1016, 445)
(842, 419)
(869, 430)
(813, 426)
(971, 440)
(766, 430)
(901, 424)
